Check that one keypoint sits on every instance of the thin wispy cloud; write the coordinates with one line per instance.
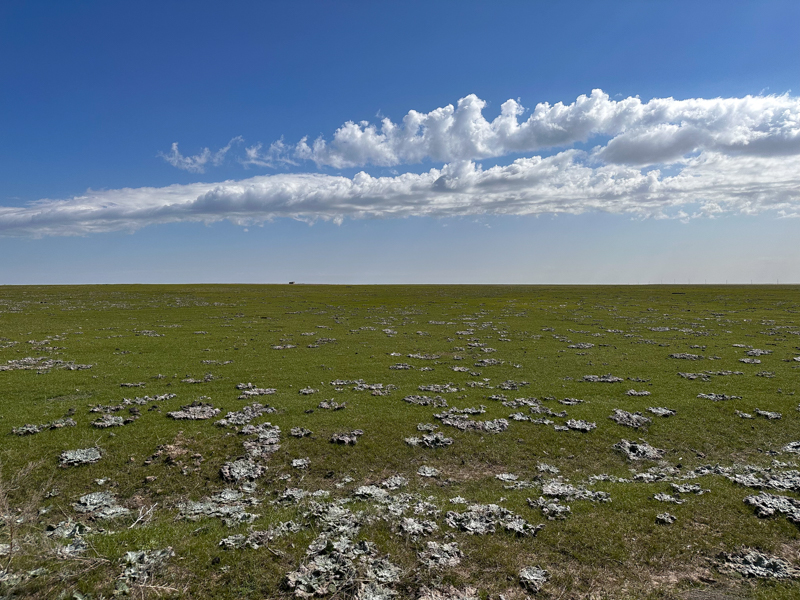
(278, 154)
(197, 163)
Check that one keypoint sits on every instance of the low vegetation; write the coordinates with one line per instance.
(376, 442)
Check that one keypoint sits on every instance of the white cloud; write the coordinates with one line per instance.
(711, 183)
(277, 154)
(715, 157)
(198, 162)
(642, 133)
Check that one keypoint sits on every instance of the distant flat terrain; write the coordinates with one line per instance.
(376, 442)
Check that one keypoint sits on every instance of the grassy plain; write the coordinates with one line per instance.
(162, 335)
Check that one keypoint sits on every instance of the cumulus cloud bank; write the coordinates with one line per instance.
(724, 155)
(643, 133)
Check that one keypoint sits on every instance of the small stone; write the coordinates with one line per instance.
(426, 471)
(665, 518)
(533, 578)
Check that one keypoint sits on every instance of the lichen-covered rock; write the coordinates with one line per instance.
(252, 391)
(266, 443)
(635, 420)
(608, 378)
(430, 440)
(440, 556)
(27, 429)
(227, 505)
(533, 578)
(662, 497)
(559, 489)
(488, 362)
(195, 411)
(374, 591)
(244, 416)
(107, 421)
(767, 505)
(257, 539)
(758, 352)
(718, 397)
(793, 447)
(581, 425)
(241, 468)
(689, 488)
(753, 563)
(30, 429)
(67, 530)
(100, 505)
(436, 402)
(291, 496)
(426, 471)
(395, 482)
(300, 432)
(776, 480)
(332, 405)
(449, 593)
(460, 419)
(336, 564)
(82, 456)
(480, 519)
(141, 566)
(637, 393)
(377, 389)
(417, 527)
(347, 438)
(660, 411)
(768, 414)
(438, 388)
(518, 416)
(371, 492)
(665, 518)
(639, 450)
(41, 364)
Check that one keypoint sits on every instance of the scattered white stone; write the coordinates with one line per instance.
(426, 471)
(533, 578)
(660, 411)
(665, 518)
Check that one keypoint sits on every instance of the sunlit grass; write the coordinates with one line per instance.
(611, 549)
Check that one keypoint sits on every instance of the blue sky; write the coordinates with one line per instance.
(685, 167)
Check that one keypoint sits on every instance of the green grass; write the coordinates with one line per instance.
(613, 550)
